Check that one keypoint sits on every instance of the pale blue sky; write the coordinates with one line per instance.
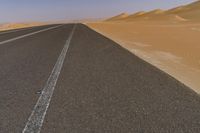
(47, 10)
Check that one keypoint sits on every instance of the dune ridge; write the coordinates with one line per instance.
(190, 12)
(137, 14)
(118, 17)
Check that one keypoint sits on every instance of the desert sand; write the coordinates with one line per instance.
(169, 40)
(10, 26)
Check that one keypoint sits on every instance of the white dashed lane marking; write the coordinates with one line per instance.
(29, 34)
(37, 116)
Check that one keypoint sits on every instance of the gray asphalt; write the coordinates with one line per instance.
(102, 88)
(5, 36)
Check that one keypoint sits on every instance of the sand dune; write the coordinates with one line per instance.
(186, 8)
(118, 17)
(155, 15)
(135, 15)
(177, 10)
(152, 13)
(149, 14)
(167, 17)
(190, 12)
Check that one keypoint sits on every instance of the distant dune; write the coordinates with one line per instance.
(190, 12)
(151, 15)
(9, 26)
(118, 17)
(137, 14)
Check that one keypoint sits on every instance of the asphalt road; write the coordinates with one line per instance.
(15, 33)
(70, 79)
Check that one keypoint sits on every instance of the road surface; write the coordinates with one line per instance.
(70, 79)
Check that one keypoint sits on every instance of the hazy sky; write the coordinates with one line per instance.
(47, 10)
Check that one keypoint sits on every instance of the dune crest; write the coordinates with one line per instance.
(137, 14)
(118, 17)
(190, 12)
(146, 15)
(155, 12)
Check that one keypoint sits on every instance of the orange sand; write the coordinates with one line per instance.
(172, 47)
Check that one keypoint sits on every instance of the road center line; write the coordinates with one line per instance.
(37, 116)
(29, 34)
